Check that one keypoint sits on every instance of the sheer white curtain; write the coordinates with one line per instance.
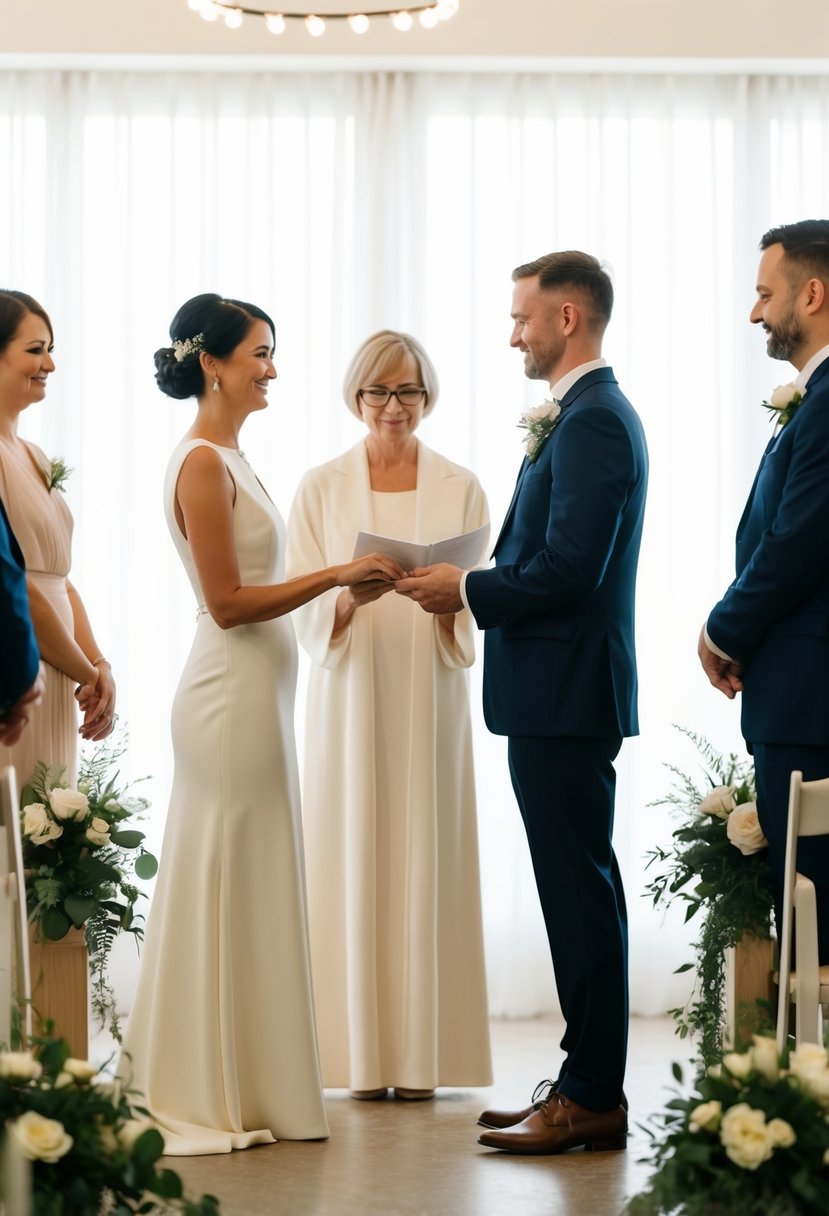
(343, 202)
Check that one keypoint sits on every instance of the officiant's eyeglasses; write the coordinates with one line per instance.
(378, 397)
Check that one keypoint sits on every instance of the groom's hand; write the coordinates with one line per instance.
(435, 588)
(723, 673)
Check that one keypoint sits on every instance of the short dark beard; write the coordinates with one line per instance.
(785, 338)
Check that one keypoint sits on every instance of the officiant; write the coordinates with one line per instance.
(389, 794)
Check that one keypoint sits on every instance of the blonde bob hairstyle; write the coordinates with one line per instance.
(377, 357)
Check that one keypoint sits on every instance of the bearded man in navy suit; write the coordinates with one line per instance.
(768, 637)
(560, 681)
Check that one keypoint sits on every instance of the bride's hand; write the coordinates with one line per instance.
(373, 568)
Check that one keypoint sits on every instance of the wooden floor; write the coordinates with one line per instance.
(393, 1158)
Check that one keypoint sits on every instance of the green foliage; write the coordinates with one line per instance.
(696, 1176)
(80, 868)
(731, 892)
(111, 1163)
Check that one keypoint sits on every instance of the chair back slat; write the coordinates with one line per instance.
(14, 939)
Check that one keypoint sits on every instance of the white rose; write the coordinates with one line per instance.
(782, 1133)
(69, 804)
(807, 1058)
(719, 802)
(744, 831)
(784, 394)
(739, 1064)
(112, 805)
(706, 1117)
(40, 1139)
(815, 1081)
(745, 1136)
(80, 1070)
(39, 825)
(765, 1058)
(129, 1132)
(19, 1066)
(97, 832)
(84, 786)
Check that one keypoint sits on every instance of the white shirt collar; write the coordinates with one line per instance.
(567, 381)
(805, 373)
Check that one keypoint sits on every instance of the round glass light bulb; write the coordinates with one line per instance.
(429, 18)
(195, 5)
(208, 12)
(446, 9)
(275, 23)
(314, 25)
(234, 19)
(402, 21)
(359, 23)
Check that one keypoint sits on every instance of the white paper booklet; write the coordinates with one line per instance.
(465, 550)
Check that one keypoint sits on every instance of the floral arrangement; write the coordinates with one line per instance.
(753, 1139)
(183, 348)
(90, 1150)
(719, 867)
(784, 402)
(58, 474)
(538, 422)
(80, 861)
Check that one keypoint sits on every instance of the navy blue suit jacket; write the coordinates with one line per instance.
(774, 618)
(558, 608)
(18, 648)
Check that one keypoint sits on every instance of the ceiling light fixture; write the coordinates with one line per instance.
(402, 16)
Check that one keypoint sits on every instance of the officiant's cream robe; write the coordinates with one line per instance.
(389, 799)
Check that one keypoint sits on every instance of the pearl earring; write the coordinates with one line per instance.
(215, 384)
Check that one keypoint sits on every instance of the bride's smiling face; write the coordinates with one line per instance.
(25, 364)
(245, 374)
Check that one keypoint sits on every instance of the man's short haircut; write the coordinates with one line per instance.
(571, 268)
(805, 248)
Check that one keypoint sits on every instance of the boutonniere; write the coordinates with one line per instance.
(784, 402)
(538, 422)
(57, 475)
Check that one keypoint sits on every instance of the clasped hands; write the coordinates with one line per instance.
(435, 588)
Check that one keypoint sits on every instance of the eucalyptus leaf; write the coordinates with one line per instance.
(146, 866)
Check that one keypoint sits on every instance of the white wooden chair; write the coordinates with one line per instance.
(15, 978)
(808, 987)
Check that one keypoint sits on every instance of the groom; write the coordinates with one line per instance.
(769, 635)
(560, 680)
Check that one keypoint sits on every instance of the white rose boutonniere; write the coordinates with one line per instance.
(784, 402)
(538, 422)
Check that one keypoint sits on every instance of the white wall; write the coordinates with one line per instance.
(649, 28)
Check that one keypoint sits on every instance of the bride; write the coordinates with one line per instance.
(221, 1040)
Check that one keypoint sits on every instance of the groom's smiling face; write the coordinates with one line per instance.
(776, 308)
(535, 330)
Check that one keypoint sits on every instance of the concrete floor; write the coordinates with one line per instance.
(393, 1158)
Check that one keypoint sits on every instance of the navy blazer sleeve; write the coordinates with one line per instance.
(18, 648)
(593, 467)
(785, 544)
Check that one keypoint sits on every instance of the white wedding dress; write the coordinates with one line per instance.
(221, 1040)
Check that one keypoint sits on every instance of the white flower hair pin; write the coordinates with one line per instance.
(188, 346)
(784, 402)
(538, 422)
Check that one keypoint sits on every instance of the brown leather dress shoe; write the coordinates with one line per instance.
(541, 1094)
(560, 1124)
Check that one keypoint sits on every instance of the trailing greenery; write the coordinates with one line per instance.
(81, 858)
(718, 866)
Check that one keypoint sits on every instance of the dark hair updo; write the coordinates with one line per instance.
(206, 323)
(13, 307)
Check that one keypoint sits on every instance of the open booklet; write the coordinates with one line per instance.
(465, 550)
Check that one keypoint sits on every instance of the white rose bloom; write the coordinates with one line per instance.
(816, 1083)
(40, 1139)
(782, 1133)
(19, 1066)
(808, 1057)
(744, 831)
(783, 394)
(129, 1132)
(739, 1064)
(765, 1057)
(97, 832)
(39, 825)
(112, 805)
(745, 1136)
(719, 802)
(706, 1117)
(69, 804)
(80, 1070)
